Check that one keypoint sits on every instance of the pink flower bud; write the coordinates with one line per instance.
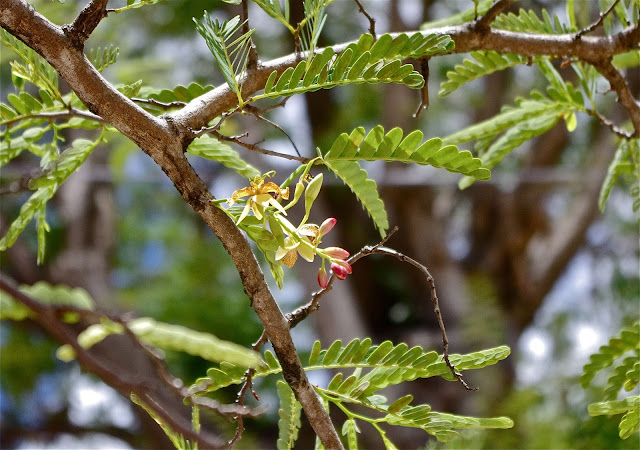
(336, 253)
(327, 225)
(345, 265)
(323, 279)
(341, 269)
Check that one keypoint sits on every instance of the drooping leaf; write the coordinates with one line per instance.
(101, 58)
(391, 147)
(364, 188)
(210, 148)
(173, 337)
(622, 164)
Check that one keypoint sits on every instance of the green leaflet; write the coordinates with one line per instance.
(101, 58)
(342, 158)
(365, 190)
(65, 165)
(210, 148)
(465, 16)
(630, 406)
(626, 375)
(133, 4)
(393, 364)
(529, 22)
(289, 412)
(34, 68)
(361, 62)
(273, 8)
(536, 106)
(230, 53)
(627, 340)
(170, 337)
(350, 429)
(36, 203)
(512, 139)
(177, 94)
(377, 145)
(623, 164)
(47, 184)
(45, 293)
(176, 439)
(485, 63)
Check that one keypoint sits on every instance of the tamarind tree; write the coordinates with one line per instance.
(62, 109)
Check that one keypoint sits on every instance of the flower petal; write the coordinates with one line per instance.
(307, 252)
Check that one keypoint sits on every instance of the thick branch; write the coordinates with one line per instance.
(593, 50)
(88, 19)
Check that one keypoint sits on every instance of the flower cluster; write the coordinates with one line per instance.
(264, 202)
(305, 243)
(260, 197)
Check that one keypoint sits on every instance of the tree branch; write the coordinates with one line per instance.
(166, 138)
(121, 371)
(593, 50)
(165, 143)
(483, 24)
(88, 19)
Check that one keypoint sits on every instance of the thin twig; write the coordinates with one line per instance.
(598, 22)
(255, 148)
(434, 299)
(609, 124)
(621, 87)
(372, 21)
(302, 312)
(246, 386)
(255, 112)
(424, 91)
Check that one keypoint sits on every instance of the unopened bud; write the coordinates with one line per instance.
(336, 253)
(323, 278)
(327, 225)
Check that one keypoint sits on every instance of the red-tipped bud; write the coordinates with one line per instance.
(341, 269)
(336, 253)
(327, 225)
(323, 278)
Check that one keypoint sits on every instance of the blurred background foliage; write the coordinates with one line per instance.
(120, 231)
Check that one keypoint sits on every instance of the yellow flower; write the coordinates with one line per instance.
(289, 253)
(260, 197)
